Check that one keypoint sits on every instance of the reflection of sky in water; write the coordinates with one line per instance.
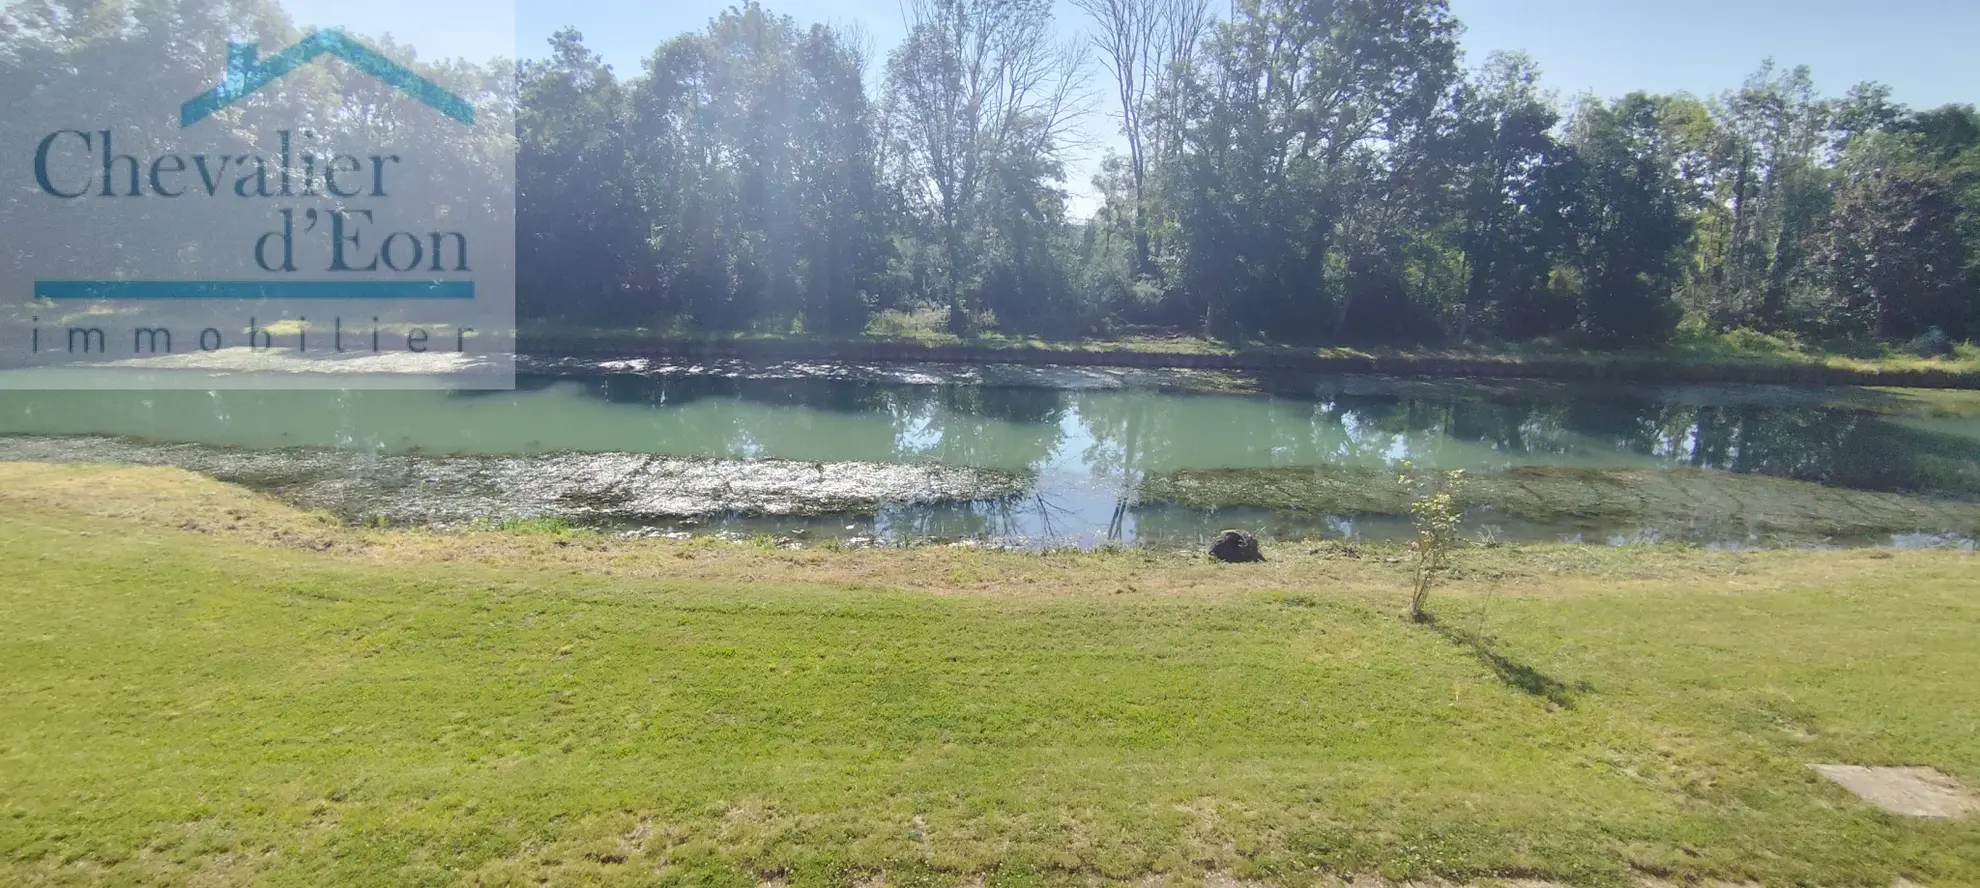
(1111, 433)
(1086, 447)
(1101, 432)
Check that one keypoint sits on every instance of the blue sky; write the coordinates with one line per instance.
(1924, 49)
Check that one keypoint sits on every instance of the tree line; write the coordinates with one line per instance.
(1295, 170)
(1310, 171)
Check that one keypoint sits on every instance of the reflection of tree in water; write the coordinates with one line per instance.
(1842, 449)
(1356, 433)
(1836, 447)
(969, 425)
(1829, 446)
(1833, 447)
(953, 424)
(1134, 431)
(1006, 518)
(1117, 448)
(808, 407)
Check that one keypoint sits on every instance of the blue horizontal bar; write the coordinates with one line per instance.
(254, 289)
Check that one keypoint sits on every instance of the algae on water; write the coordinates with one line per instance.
(602, 488)
(1682, 503)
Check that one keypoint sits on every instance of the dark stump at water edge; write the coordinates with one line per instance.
(1236, 547)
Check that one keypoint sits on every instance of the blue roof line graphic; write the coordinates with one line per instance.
(248, 72)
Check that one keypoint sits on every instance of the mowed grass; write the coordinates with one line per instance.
(199, 686)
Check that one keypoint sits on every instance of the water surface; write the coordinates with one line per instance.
(1036, 456)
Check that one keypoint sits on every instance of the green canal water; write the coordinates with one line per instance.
(1063, 457)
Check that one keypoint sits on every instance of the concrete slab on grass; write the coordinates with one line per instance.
(1913, 792)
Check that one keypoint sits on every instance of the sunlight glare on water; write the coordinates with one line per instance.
(1105, 459)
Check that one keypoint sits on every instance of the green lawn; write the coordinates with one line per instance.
(204, 688)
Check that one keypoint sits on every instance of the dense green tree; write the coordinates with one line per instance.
(579, 242)
(1628, 221)
(1774, 126)
(1515, 181)
(755, 157)
(1303, 116)
(1896, 257)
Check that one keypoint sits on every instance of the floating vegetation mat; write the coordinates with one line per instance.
(1688, 504)
(585, 488)
(926, 501)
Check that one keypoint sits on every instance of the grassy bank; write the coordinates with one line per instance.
(202, 686)
(1696, 357)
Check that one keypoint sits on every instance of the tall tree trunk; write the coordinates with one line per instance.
(1141, 263)
(958, 319)
(1729, 264)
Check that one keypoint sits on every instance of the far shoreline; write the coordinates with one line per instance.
(1670, 367)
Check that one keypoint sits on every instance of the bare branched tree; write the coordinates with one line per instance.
(1183, 26)
(1142, 42)
(974, 83)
